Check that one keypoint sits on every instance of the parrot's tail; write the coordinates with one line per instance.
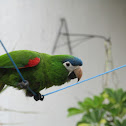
(1, 87)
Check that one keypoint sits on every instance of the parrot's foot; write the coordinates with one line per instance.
(23, 85)
(38, 96)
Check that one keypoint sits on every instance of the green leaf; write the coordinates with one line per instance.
(114, 111)
(88, 102)
(124, 97)
(118, 94)
(81, 105)
(124, 122)
(111, 95)
(74, 111)
(93, 116)
(83, 124)
(108, 124)
(98, 101)
(117, 123)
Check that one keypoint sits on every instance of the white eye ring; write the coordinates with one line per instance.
(67, 64)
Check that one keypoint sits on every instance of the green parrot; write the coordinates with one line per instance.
(39, 69)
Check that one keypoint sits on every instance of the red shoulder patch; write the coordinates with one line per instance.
(33, 62)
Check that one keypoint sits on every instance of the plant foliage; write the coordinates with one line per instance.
(107, 109)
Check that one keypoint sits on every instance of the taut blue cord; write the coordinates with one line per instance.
(17, 68)
(84, 80)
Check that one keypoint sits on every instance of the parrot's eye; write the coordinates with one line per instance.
(67, 64)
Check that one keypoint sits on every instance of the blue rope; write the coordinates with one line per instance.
(16, 67)
(84, 80)
(31, 90)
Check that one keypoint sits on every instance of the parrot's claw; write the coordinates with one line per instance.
(23, 85)
(38, 96)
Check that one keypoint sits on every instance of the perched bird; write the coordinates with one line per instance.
(39, 69)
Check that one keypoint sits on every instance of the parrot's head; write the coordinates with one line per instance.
(64, 68)
(73, 65)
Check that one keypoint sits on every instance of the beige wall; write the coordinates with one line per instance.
(33, 24)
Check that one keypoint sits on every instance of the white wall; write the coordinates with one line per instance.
(33, 24)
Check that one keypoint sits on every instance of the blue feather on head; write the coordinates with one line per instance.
(75, 61)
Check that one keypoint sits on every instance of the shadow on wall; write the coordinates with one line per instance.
(79, 39)
(17, 111)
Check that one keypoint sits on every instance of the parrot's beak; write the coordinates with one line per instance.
(78, 72)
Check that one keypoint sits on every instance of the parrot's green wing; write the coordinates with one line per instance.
(22, 58)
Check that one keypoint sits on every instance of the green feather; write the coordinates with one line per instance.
(21, 58)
